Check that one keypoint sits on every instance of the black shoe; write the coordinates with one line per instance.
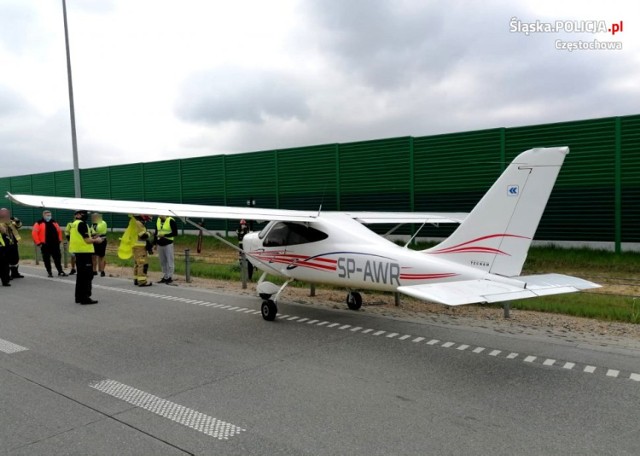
(162, 280)
(86, 302)
(72, 272)
(168, 281)
(135, 281)
(62, 274)
(16, 275)
(6, 284)
(95, 273)
(49, 274)
(101, 273)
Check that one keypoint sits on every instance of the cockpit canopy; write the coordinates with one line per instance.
(280, 234)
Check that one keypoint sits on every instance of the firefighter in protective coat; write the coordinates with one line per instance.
(12, 225)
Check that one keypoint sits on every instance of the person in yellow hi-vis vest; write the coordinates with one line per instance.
(136, 242)
(81, 244)
(4, 262)
(166, 232)
(99, 228)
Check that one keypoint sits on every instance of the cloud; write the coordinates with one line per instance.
(246, 95)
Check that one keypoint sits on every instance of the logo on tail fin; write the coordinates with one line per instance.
(513, 190)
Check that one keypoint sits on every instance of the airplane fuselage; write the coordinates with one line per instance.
(350, 256)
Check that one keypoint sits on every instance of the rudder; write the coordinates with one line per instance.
(497, 234)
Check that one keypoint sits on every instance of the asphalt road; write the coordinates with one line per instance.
(171, 370)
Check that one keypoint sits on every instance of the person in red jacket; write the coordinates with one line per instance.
(47, 235)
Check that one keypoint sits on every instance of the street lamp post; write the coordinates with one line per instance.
(74, 141)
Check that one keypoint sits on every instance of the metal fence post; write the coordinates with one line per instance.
(506, 306)
(64, 253)
(243, 270)
(187, 266)
(396, 297)
(36, 250)
(312, 289)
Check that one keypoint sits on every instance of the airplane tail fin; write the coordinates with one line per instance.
(497, 234)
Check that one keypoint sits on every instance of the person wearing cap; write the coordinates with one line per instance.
(12, 225)
(99, 229)
(242, 230)
(47, 235)
(166, 232)
(81, 244)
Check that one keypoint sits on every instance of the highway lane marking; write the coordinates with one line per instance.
(613, 373)
(214, 427)
(549, 362)
(10, 348)
(494, 353)
(462, 347)
(448, 344)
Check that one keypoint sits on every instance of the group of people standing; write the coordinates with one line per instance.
(87, 246)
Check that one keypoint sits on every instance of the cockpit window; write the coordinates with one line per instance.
(265, 230)
(289, 233)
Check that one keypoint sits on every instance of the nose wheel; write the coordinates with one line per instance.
(354, 300)
(269, 310)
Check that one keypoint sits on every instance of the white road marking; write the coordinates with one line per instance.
(356, 328)
(10, 347)
(193, 419)
(310, 322)
(292, 318)
(302, 320)
(344, 327)
(613, 373)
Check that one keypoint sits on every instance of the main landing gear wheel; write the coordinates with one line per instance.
(354, 300)
(269, 310)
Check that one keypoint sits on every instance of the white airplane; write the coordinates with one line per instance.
(480, 262)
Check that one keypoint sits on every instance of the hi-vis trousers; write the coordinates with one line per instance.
(141, 264)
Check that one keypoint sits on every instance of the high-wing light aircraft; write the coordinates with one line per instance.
(480, 262)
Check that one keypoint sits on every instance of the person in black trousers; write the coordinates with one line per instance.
(47, 235)
(81, 243)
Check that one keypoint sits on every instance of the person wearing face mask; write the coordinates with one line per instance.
(12, 225)
(47, 235)
(81, 244)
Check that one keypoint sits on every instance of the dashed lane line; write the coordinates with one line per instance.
(214, 427)
(531, 359)
(10, 348)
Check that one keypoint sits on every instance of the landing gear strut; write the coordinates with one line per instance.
(269, 293)
(354, 300)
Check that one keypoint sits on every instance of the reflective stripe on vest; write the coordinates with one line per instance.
(76, 241)
(100, 228)
(164, 228)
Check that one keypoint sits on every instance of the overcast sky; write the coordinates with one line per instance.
(156, 79)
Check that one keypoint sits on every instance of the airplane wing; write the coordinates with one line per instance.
(195, 211)
(487, 291)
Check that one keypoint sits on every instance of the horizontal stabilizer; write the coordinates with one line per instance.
(487, 291)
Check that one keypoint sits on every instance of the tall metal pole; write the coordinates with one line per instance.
(72, 111)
